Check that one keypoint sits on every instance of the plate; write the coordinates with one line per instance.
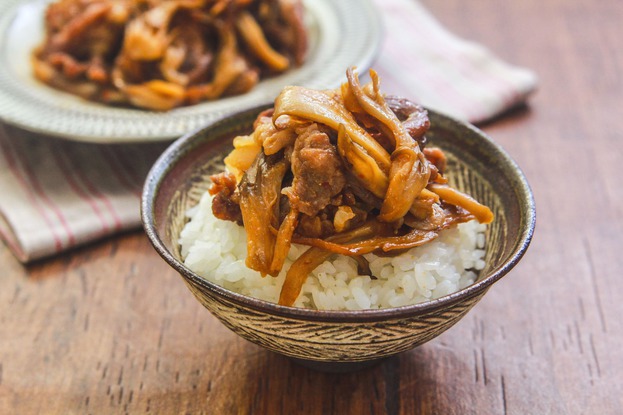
(341, 34)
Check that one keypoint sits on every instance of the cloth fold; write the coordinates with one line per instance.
(423, 61)
(57, 194)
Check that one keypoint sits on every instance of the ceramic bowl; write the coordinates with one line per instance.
(341, 339)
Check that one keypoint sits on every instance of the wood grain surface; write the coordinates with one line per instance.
(110, 328)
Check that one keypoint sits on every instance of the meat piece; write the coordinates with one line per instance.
(437, 158)
(317, 169)
(318, 226)
(414, 117)
(225, 204)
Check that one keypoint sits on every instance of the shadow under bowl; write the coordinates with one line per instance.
(341, 340)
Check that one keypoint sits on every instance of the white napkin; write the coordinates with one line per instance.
(56, 195)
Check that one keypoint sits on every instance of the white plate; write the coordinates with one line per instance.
(342, 33)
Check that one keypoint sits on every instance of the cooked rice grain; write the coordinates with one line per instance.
(216, 250)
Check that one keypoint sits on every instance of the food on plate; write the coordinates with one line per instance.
(160, 55)
(337, 201)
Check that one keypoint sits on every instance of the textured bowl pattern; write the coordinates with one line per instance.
(476, 165)
(333, 341)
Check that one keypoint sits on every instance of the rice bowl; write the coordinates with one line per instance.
(349, 339)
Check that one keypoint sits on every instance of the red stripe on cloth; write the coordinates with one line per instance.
(11, 158)
(104, 199)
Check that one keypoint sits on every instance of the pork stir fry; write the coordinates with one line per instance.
(163, 54)
(344, 171)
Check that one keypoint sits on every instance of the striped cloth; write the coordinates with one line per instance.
(56, 194)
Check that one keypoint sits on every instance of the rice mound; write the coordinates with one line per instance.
(216, 250)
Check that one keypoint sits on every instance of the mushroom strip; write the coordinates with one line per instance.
(481, 212)
(415, 237)
(298, 272)
(283, 241)
(372, 177)
(259, 198)
(253, 36)
(384, 241)
(409, 171)
(321, 107)
(310, 259)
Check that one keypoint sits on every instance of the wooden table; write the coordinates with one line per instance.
(110, 328)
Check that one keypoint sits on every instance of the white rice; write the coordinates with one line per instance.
(216, 249)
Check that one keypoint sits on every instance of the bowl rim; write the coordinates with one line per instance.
(180, 147)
